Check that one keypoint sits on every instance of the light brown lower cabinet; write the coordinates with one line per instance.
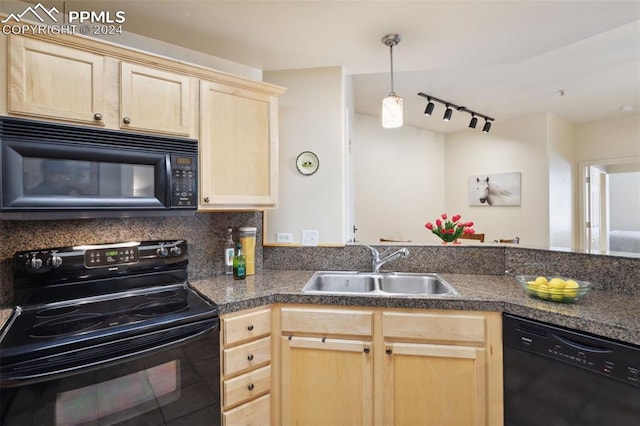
(246, 367)
(389, 367)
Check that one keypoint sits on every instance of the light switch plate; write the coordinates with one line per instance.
(309, 237)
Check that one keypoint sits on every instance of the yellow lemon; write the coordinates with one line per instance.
(557, 297)
(542, 292)
(571, 284)
(541, 281)
(570, 293)
(557, 283)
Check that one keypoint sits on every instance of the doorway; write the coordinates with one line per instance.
(610, 201)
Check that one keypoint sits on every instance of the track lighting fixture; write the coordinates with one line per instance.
(392, 104)
(429, 109)
(449, 112)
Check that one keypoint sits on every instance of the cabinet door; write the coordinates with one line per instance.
(154, 100)
(238, 147)
(434, 385)
(326, 382)
(53, 81)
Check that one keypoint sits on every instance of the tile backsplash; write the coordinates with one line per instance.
(204, 232)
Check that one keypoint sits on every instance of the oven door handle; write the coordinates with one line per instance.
(581, 346)
(102, 355)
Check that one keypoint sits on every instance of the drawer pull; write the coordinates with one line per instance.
(388, 351)
(126, 120)
(367, 350)
(250, 387)
(97, 116)
(250, 328)
(250, 357)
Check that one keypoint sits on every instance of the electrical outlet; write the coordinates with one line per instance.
(309, 238)
(284, 237)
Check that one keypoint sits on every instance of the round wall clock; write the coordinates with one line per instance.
(307, 163)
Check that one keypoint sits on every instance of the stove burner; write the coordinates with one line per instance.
(68, 324)
(55, 312)
(160, 307)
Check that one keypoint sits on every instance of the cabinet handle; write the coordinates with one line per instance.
(388, 351)
(97, 116)
(250, 357)
(126, 120)
(366, 349)
(250, 328)
(250, 387)
(206, 199)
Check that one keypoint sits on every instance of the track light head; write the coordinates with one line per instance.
(486, 127)
(473, 122)
(429, 109)
(448, 113)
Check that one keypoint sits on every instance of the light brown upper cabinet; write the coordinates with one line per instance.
(238, 146)
(155, 100)
(52, 81)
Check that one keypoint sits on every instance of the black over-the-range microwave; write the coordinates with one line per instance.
(59, 171)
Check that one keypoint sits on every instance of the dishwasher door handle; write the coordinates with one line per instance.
(581, 346)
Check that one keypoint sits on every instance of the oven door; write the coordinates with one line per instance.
(180, 383)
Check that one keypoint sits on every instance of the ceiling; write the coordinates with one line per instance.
(504, 59)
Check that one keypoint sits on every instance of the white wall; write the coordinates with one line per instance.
(562, 197)
(608, 139)
(398, 181)
(311, 118)
(518, 145)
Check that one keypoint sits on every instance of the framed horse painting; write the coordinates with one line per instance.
(499, 189)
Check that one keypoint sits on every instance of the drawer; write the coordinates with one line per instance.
(244, 327)
(434, 326)
(254, 413)
(327, 321)
(246, 387)
(247, 356)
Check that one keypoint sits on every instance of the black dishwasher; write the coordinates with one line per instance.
(557, 376)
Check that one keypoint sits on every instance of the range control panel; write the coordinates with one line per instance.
(111, 256)
(70, 262)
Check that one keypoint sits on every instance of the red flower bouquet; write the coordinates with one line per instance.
(449, 230)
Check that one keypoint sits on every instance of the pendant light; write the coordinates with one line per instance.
(392, 104)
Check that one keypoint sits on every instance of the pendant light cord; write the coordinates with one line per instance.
(391, 61)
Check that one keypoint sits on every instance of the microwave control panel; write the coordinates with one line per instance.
(183, 181)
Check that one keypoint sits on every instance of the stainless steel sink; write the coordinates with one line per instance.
(367, 283)
(338, 282)
(415, 284)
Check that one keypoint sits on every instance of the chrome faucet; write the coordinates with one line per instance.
(377, 263)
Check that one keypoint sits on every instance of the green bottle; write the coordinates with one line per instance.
(239, 264)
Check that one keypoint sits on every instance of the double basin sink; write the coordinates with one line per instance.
(378, 283)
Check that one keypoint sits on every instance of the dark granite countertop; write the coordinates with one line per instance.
(604, 313)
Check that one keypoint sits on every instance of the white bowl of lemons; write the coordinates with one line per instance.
(556, 289)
